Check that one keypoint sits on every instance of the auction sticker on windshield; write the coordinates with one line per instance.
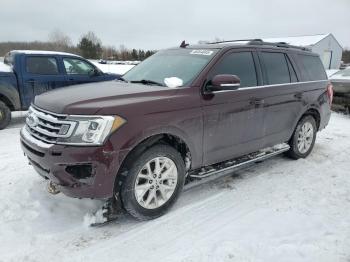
(201, 52)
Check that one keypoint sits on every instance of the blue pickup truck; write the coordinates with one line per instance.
(25, 74)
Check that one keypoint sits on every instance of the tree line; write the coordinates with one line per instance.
(89, 46)
(346, 56)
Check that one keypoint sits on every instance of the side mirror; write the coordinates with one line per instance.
(225, 82)
(94, 72)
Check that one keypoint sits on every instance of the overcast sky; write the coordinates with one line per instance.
(156, 24)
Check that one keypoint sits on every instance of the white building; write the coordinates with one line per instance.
(325, 45)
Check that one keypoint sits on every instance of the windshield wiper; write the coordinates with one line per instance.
(147, 82)
(121, 79)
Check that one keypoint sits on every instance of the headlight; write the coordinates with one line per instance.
(92, 130)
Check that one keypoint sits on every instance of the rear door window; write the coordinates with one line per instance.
(276, 68)
(41, 65)
(313, 67)
(240, 64)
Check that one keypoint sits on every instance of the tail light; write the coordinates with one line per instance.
(330, 92)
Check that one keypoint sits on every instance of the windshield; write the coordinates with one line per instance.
(178, 65)
(345, 72)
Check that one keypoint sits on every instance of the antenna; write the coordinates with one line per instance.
(183, 44)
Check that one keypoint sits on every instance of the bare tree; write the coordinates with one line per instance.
(108, 52)
(60, 40)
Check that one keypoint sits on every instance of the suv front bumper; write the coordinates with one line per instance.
(78, 171)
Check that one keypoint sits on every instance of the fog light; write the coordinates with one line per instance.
(80, 171)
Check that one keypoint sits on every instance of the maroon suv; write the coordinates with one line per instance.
(175, 117)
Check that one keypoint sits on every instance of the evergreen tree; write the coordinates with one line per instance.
(346, 56)
(90, 46)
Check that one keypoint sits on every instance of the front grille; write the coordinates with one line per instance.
(48, 127)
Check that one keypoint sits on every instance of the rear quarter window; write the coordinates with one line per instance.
(313, 67)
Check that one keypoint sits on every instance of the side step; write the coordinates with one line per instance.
(210, 173)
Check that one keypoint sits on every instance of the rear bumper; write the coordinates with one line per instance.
(325, 112)
(81, 172)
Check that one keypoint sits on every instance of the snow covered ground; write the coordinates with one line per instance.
(278, 210)
(113, 68)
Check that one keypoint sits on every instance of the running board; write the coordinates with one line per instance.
(222, 169)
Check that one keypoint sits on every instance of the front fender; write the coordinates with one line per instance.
(9, 91)
(134, 141)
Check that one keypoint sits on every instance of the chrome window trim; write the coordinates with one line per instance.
(232, 85)
(263, 86)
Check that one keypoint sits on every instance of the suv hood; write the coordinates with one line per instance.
(100, 97)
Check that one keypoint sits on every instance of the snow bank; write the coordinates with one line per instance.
(113, 68)
(331, 72)
(278, 210)
(5, 68)
(97, 217)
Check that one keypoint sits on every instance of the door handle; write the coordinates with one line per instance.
(257, 102)
(31, 82)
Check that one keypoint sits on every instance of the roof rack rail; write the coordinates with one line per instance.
(237, 40)
(258, 41)
(279, 44)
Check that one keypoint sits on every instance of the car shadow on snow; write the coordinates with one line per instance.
(60, 211)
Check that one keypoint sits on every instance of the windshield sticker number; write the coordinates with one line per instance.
(201, 52)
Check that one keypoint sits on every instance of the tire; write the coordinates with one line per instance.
(138, 197)
(304, 134)
(5, 115)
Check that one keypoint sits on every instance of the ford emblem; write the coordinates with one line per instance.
(32, 120)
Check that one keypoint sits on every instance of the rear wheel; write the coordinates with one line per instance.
(153, 182)
(5, 115)
(303, 139)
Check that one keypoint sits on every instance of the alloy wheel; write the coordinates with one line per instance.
(156, 182)
(305, 137)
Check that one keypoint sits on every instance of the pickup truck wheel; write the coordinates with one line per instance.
(5, 115)
(303, 139)
(153, 183)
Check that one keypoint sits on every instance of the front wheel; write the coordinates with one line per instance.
(303, 139)
(5, 115)
(153, 182)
